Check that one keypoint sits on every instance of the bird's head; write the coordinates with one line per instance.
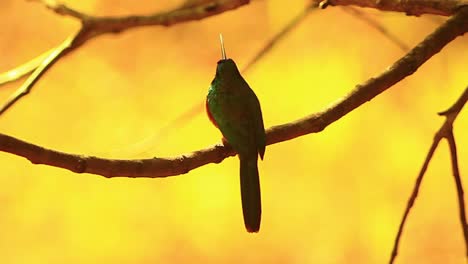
(226, 67)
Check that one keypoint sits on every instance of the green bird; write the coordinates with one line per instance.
(235, 110)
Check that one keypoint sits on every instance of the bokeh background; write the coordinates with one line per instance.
(332, 197)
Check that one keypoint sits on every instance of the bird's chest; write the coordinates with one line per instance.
(222, 104)
(225, 102)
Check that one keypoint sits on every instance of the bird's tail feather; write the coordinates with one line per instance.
(250, 193)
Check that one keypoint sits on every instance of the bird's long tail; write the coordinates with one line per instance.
(250, 193)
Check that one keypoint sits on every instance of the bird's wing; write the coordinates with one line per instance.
(240, 120)
(257, 124)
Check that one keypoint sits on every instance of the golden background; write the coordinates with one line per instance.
(332, 197)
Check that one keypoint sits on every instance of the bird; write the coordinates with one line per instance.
(234, 109)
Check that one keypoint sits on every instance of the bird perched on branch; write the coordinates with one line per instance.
(235, 110)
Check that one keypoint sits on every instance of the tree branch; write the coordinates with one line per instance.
(93, 26)
(49, 60)
(409, 7)
(23, 70)
(163, 167)
(375, 24)
(445, 131)
(458, 183)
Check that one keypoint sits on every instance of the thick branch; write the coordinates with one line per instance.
(410, 7)
(163, 167)
(103, 24)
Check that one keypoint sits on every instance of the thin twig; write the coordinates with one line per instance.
(292, 24)
(62, 9)
(459, 185)
(378, 26)
(141, 146)
(412, 199)
(451, 114)
(49, 60)
(163, 167)
(23, 70)
(445, 131)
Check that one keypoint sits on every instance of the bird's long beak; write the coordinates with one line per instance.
(223, 51)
